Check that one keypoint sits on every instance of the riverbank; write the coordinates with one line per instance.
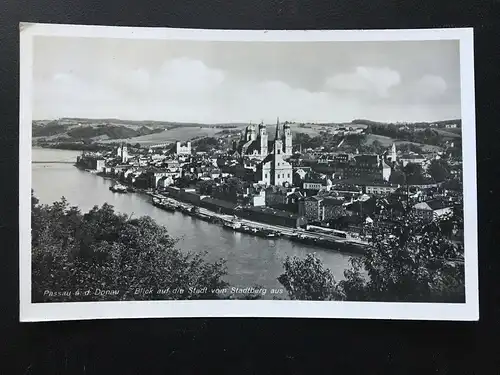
(251, 260)
(332, 242)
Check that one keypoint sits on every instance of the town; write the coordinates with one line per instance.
(270, 181)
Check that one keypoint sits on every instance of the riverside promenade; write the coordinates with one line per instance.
(353, 244)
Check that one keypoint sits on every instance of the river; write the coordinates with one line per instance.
(250, 260)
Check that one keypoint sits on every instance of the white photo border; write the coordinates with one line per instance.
(35, 312)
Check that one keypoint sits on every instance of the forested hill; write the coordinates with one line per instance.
(89, 132)
(88, 129)
(437, 123)
(133, 123)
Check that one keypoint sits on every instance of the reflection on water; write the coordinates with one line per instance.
(250, 260)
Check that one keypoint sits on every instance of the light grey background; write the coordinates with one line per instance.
(199, 81)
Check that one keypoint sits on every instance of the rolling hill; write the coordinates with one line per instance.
(88, 132)
(416, 124)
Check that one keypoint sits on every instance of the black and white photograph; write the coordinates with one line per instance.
(212, 173)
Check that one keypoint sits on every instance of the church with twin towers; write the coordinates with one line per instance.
(255, 141)
(273, 168)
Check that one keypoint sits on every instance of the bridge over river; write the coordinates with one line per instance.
(53, 162)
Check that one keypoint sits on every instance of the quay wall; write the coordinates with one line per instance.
(273, 218)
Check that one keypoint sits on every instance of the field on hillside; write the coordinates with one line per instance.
(388, 141)
(187, 133)
(450, 133)
(177, 134)
(312, 131)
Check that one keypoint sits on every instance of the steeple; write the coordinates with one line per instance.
(278, 130)
(393, 153)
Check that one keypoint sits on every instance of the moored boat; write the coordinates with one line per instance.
(262, 232)
(232, 224)
(168, 207)
(185, 209)
(301, 238)
(201, 216)
(341, 245)
(118, 188)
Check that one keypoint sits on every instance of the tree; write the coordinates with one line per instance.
(206, 144)
(306, 141)
(184, 181)
(452, 224)
(233, 188)
(413, 174)
(453, 184)
(113, 257)
(439, 170)
(206, 187)
(356, 140)
(410, 261)
(397, 177)
(307, 279)
(377, 146)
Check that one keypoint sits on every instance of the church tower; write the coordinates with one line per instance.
(250, 133)
(124, 153)
(393, 153)
(278, 140)
(287, 139)
(263, 138)
(274, 170)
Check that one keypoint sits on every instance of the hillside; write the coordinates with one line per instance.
(91, 132)
(181, 134)
(48, 130)
(385, 141)
(416, 124)
(135, 123)
(155, 132)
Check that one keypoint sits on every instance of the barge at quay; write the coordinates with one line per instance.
(339, 244)
(163, 204)
(262, 232)
(118, 188)
(333, 240)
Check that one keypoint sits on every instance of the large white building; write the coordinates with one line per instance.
(412, 158)
(181, 149)
(274, 169)
(122, 153)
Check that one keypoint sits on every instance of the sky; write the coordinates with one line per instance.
(220, 82)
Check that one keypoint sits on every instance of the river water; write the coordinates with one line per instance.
(250, 260)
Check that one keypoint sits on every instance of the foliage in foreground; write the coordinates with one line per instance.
(409, 261)
(102, 255)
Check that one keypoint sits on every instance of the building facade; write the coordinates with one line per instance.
(319, 208)
(365, 166)
(274, 170)
(182, 149)
(255, 142)
(122, 153)
(412, 158)
(431, 210)
(380, 189)
(94, 162)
